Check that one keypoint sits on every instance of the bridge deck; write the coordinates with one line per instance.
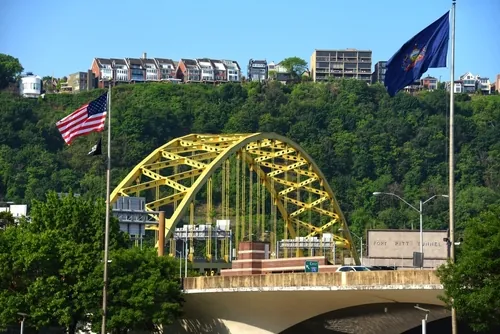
(379, 280)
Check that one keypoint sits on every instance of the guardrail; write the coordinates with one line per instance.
(410, 278)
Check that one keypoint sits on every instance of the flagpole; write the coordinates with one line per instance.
(451, 163)
(106, 232)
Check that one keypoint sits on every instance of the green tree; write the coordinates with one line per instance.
(362, 140)
(6, 219)
(472, 283)
(144, 291)
(10, 69)
(294, 65)
(49, 263)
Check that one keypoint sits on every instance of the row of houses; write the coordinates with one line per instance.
(470, 83)
(114, 71)
(127, 70)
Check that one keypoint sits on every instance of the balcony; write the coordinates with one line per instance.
(322, 58)
(136, 75)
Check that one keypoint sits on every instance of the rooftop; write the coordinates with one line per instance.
(189, 62)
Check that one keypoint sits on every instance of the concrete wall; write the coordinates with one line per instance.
(355, 280)
(398, 244)
(275, 302)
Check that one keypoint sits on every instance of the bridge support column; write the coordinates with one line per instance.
(161, 233)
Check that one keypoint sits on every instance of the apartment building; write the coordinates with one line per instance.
(257, 70)
(378, 74)
(341, 64)
(80, 81)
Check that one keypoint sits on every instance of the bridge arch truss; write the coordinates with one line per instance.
(283, 178)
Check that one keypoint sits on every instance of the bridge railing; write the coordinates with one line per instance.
(369, 279)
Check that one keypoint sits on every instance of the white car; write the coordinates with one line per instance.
(352, 268)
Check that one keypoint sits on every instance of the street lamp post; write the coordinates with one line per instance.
(24, 315)
(420, 212)
(424, 320)
(181, 255)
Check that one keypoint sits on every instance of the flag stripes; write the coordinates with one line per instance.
(86, 119)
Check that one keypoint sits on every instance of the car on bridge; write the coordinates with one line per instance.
(383, 268)
(352, 268)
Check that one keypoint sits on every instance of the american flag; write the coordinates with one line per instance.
(86, 119)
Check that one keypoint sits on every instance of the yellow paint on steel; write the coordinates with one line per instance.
(197, 156)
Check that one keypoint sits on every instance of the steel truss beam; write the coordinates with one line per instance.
(174, 173)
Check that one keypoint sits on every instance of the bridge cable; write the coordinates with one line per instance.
(237, 212)
(243, 191)
(227, 251)
(208, 249)
(250, 204)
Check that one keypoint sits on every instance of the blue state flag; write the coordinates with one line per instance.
(427, 49)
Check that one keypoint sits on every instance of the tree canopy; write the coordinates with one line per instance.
(51, 267)
(362, 140)
(472, 283)
(294, 65)
(139, 295)
(10, 69)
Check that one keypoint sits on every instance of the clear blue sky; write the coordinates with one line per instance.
(57, 37)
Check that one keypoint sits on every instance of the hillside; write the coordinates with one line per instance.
(362, 140)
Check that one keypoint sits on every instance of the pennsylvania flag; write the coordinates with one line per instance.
(427, 49)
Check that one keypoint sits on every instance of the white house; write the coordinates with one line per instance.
(30, 85)
(151, 68)
(484, 85)
(121, 70)
(469, 82)
(233, 70)
(207, 69)
(220, 72)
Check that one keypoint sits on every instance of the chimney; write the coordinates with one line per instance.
(144, 55)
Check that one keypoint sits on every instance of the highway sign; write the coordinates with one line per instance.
(311, 266)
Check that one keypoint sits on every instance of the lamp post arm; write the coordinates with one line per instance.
(429, 199)
(403, 200)
(432, 197)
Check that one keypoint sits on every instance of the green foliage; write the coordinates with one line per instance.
(294, 65)
(472, 284)
(139, 295)
(6, 219)
(10, 69)
(49, 262)
(51, 268)
(362, 140)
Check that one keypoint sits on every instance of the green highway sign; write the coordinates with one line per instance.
(311, 267)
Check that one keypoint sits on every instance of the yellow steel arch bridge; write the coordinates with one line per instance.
(266, 185)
